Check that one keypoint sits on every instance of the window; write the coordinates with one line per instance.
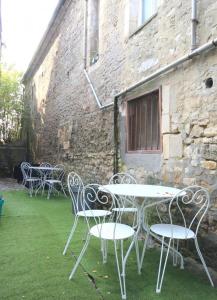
(148, 9)
(94, 30)
(140, 13)
(143, 123)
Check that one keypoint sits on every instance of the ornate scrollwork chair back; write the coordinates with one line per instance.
(189, 207)
(75, 188)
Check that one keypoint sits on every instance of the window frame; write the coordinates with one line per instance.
(141, 19)
(93, 54)
(135, 28)
(144, 151)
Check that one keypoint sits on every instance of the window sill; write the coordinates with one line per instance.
(141, 26)
(94, 66)
(144, 152)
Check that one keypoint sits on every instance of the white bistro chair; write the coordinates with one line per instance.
(55, 180)
(45, 164)
(76, 187)
(106, 230)
(29, 181)
(125, 178)
(186, 211)
(45, 173)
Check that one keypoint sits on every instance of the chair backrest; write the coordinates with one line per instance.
(75, 187)
(98, 198)
(26, 172)
(58, 172)
(121, 178)
(45, 164)
(188, 208)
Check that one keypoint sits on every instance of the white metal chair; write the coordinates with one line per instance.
(45, 164)
(45, 173)
(125, 178)
(186, 211)
(108, 230)
(75, 187)
(55, 180)
(29, 181)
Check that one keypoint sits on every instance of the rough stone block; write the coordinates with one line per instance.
(165, 123)
(203, 122)
(196, 131)
(189, 181)
(147, 64)
(172, 146)
(195, 162)
(211, 131)
(209, 164)
(187, 128)
(166, 99)
(209, 152)
(188, 151)
(188, 141)
(66, 145)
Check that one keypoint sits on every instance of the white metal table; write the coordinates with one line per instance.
(156, 194)
(142, 190)
(43, 173)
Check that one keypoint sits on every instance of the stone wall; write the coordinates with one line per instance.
(68, 127)
(11, 155)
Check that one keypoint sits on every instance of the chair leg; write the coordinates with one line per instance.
(71, 234)
(50, 187)
(80, 257)
(38, 186)
(143, 250)
(161, 271)
(104, 246)
(175, 256)
(171, 248)
(137, 255)
(43, 186)
(63, 189)
(135, 220)
(203, 261)
(120, 276)
(31, 189)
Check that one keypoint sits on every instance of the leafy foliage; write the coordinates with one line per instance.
(11, 104)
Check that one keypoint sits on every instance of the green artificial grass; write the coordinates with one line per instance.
(33, 232)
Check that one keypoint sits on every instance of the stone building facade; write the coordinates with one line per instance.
(96, 59)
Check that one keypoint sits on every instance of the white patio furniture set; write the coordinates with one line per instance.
(104, 207)
(38, 178)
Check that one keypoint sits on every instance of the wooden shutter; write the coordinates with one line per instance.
(143, 123)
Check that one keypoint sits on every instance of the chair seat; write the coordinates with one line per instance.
(173, 231)
(93, 213)
(126, 209)
(33, 179)
(52, 181)
(112, 231)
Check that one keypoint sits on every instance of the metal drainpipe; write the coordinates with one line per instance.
(85, 34)
(191, 55)
(85, 61)
(194, 23)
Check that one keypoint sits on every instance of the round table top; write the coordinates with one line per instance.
(44, 168)
(142, 190)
